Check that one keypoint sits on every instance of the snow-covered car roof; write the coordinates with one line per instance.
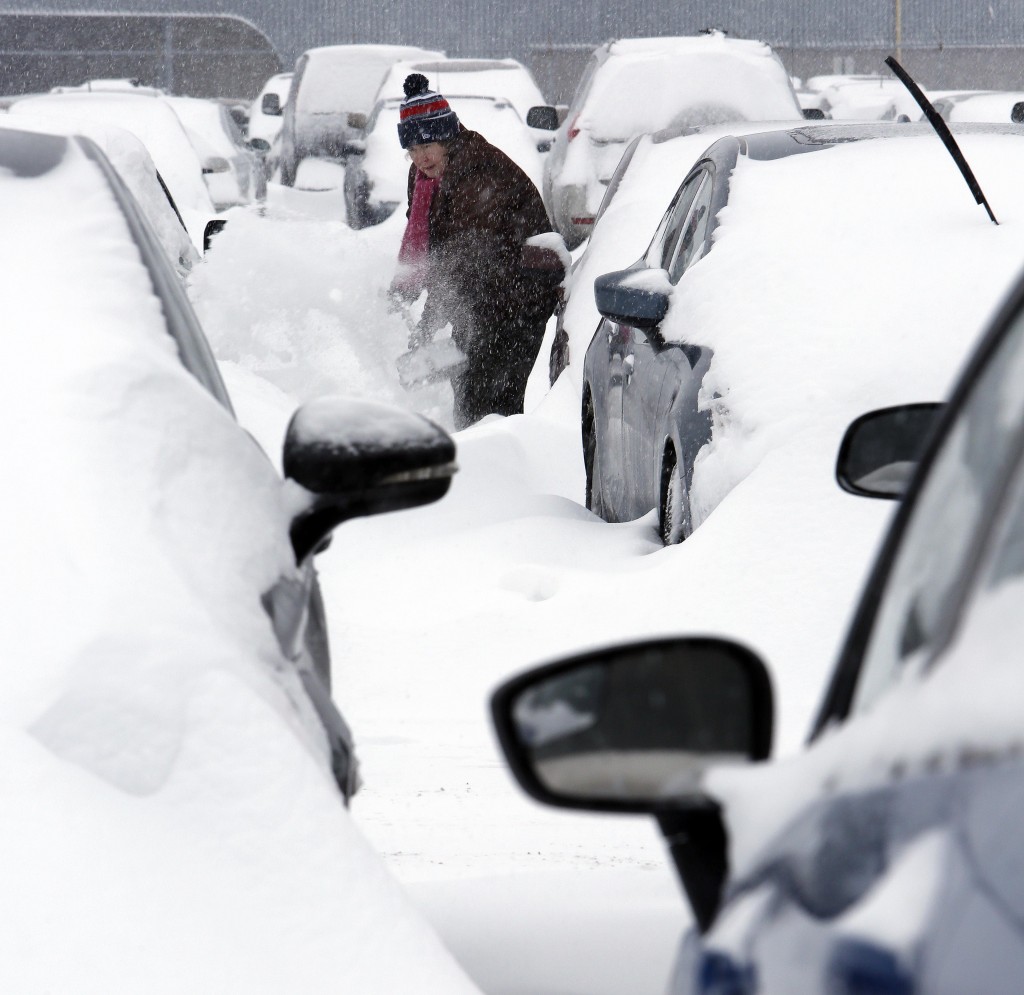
(345, 78)
(156, 125)
(501, 78)
(646, 84)
(136, 167)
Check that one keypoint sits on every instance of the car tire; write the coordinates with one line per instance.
(590, 457)
(674, 513)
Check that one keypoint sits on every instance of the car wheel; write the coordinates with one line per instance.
(674, 524)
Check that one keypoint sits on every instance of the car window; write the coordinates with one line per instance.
(664, 242)
(920, 599)
(689, 245)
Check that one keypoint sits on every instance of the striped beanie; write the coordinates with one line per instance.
(425, 116)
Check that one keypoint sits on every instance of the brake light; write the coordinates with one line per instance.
(573, 130)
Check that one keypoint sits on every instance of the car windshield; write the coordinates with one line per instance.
(922, 590)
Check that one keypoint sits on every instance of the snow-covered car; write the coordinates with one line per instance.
(884, 857)
(642, 85)
(267, 109)
(166, 670)
(643, 184)
(377, 170)
(332, 94)
(503, 79)
(991, 105)
(150, 118)
(674, 417)
(136, 168)
(219, 141)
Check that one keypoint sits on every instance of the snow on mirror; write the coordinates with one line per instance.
(639, 723)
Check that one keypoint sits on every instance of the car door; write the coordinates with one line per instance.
(899, 867)
(653, 368)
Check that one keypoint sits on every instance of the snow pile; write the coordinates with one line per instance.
(302, 303)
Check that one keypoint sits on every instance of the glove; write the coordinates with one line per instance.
(421, 336)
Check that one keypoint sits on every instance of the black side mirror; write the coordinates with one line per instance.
(633, 728)
(258, 145)
(1017, 113)
(543, 117)
(360, 458)
(814, 114)
(212, 228)
(880, 450)
(271, 105)
(635, 297)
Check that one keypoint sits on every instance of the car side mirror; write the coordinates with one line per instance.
(213, 227)
(216, 164)
(258, 145)
(633, 728)
(271, 105)
(1017, 113)
(357, 458)
(635, 297)
(357, 120)
(814, 114)
(880, 450)
(544, 118)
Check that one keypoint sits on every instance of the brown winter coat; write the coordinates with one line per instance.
(484, 210)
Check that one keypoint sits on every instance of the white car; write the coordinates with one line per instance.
(503, 79)
(332, 94)
(174, 767)
(136, 168)
(643, 85)
(229, 166)
(267, 109)
(377, 173)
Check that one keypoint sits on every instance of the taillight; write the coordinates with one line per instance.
(573, 130)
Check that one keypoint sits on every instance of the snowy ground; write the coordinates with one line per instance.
(431, 609)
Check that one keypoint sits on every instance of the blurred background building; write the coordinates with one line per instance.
(945, 43)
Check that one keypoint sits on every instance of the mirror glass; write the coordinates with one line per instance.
(641, 722)
(881, 450)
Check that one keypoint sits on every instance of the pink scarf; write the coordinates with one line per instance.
(411, 276)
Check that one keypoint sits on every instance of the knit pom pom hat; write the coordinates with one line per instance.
(425, 116)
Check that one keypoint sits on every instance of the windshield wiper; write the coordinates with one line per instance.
(942, 130)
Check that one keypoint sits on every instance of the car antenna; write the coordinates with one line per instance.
(942, 129)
